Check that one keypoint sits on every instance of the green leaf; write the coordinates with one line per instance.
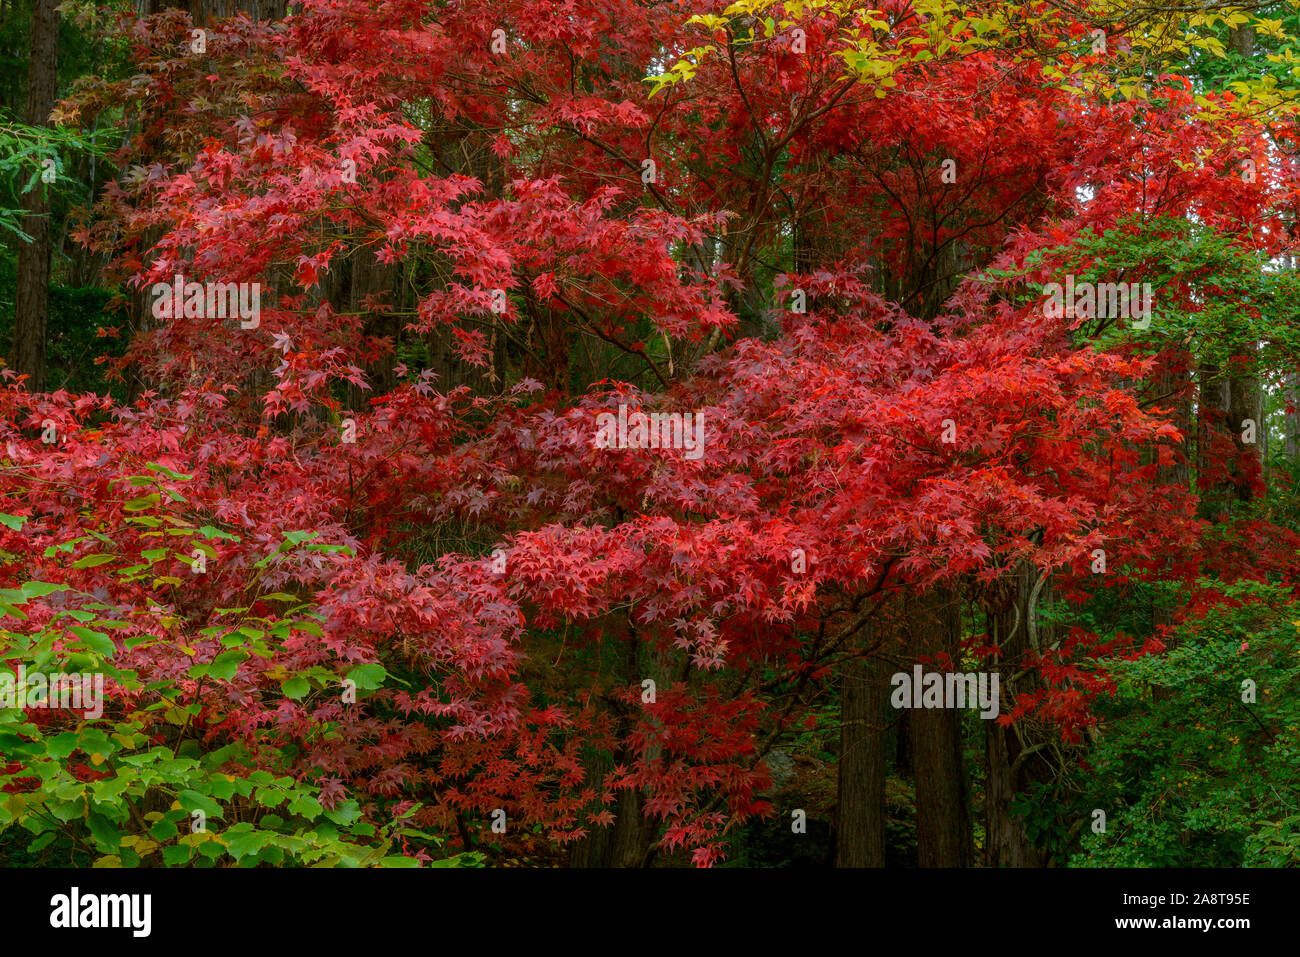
(226, 664)
(93, 740)
(96, 641)
(109, 790)
(163, 830)
(295, 688)
(108, 836)
(345, 813)
(270, 797)
(222, 788)
(242, 845)
(41, 589)
(90, 561)
(177, 476)
(307, 806)
(12, 521)
(194, 801)
(368, 677)
(43, 652)
(65, 546)
(174, 855)
(61, 745)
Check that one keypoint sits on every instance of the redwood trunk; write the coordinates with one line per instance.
(943, 824)
(1009, 771)
(31, 317)
(860, 814)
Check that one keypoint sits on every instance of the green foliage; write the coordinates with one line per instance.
(1210, 295)
(73, 340)
(24, 151)
(106, 791)
(119, 785)
(1188, 774)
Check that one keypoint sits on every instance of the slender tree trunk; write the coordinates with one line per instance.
(1230, 469)
(594, 849)
(1245, 405)
(860, 811)
(1176, 387)
(369, 279)
(1245, 396)
(1213, 445)
(1176, 383)
(31, 317)
(1291, 419)
(943, 825)
(1243, 40)
(1009, 770)
(628, 842)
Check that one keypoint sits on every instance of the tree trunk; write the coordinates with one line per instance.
(1176, 383)
(594, 849)
(1006, 844)
(1245, 403)
(628, 843)
(860, 808)
(1230, 469)
(1291, 419)
(1213, 444)
(1243, 40)
(369, 279)
(943, 826)
(31, 317)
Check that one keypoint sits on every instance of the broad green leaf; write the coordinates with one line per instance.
(368, 677)
(225, 665)
(194, 801)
